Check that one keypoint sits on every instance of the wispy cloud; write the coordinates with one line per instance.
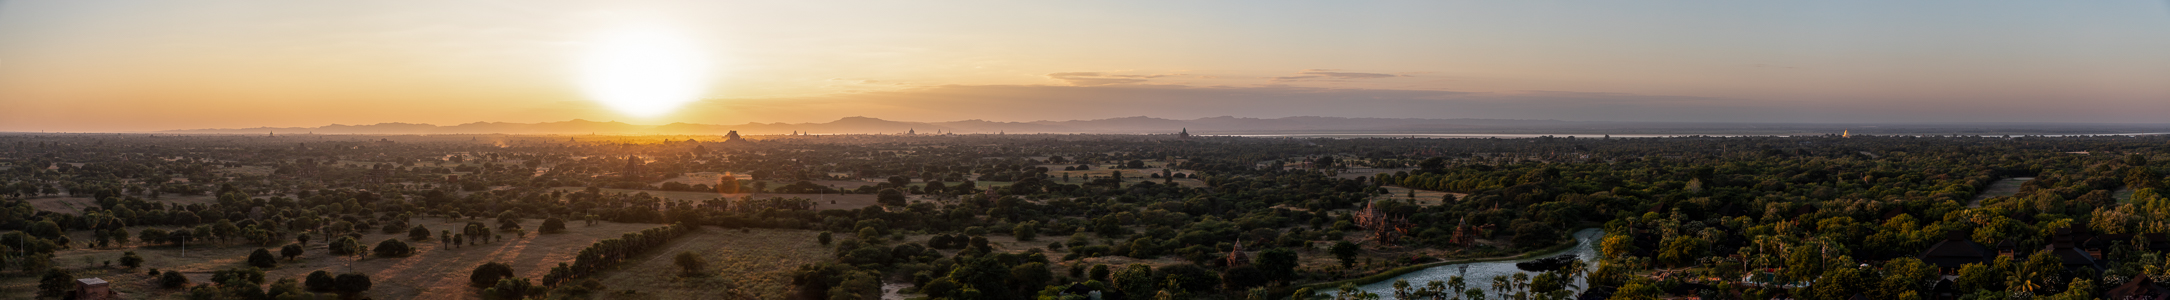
(1098, 78)
(1333, 74)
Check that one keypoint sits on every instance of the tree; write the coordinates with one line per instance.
(172, 280)
(825, 238)
(1030, 276)
(890, 197)
(352, 283)
(1136, 281)
(55, 283)
(262, 258)
(727, 184)
(131, 260)
(1026, 232)
(690, 264)
(418, 233)
(487, 274)
(1347, 252)
(291, 251)
(320, 281)
(393, 248)
(153, 236)
(1278, 263)
(553, 225)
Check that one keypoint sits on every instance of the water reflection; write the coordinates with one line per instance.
(1479, 275)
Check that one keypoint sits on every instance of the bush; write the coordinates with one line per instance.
(262, 258)
(419, 233)
(393, 248)
(690, 264)
(553, 225)
(320, 281)
(55, 283)
(344, 246)
(172, 280)
(487, 274)
(352, 283)
(131, 260)
(291, 251)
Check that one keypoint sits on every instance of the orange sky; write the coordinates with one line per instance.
(156, 65)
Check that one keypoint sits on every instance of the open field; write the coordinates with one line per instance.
(433, 272)
(755, 264)
(2001, 188)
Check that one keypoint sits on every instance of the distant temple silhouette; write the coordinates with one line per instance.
(733, 137)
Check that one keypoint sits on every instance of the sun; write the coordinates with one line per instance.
(643, 71)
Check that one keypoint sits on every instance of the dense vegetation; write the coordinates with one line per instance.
(1062, 216)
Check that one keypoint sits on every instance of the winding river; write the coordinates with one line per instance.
(1479, 275)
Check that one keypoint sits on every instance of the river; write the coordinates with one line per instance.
(1479, 275)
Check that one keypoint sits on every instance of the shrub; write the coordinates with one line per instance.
(172, 280)
(344, 246)
(262, 258)
(320, 281)
(291, 251)
(419, 233)
(393, 248)
(553, 225)
(55, 283)
(352, 283)
(131, 260)
(487, 274)
(690, 264)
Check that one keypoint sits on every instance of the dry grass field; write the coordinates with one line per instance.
(434, 272)
(756, 264)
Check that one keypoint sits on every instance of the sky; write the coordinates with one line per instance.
(134, 65)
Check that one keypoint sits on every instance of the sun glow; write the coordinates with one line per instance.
(643, 71)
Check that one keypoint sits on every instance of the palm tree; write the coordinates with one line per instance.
(1456, 285)
(1500, 284)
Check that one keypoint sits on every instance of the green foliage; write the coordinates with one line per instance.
(131, 260)
(262, 258)
(418, 233)
(690, 264)
(1347, 252)
(553, 225)
(890, 197)
(172, 280)
(487, 274)
(352, 283)
(392, 248)
(55, 282)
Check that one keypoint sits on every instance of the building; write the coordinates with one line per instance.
(92, 289)
(1956, 251)
(733, 137)
(1236, 258)
(2139, 288)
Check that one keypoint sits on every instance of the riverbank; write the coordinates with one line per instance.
(1326, 286)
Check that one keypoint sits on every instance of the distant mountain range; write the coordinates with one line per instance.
(1213, 126)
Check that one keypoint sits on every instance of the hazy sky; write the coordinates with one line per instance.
(74, 65)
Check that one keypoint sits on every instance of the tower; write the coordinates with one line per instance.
(1183, 135)
(1236, 258)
